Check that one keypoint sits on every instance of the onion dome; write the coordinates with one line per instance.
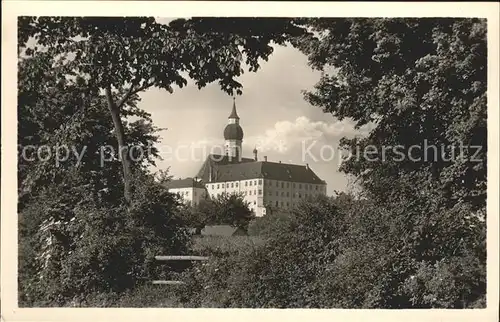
(233, 132)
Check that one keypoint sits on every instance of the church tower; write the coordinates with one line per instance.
(233, 135)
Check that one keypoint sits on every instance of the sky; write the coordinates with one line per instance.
(273, 114)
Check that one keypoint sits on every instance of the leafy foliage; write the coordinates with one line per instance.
(76, 238)
(269, 224)
(345, 252)
(421, 81)
(141, 51)
(225, 209)
(60, 114)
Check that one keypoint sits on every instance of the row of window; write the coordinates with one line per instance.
(235, 184)
(186, 193)
(277, 204)
(295, 195)
(259, 182)
(294, 185)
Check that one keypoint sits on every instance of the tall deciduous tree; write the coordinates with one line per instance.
(226, 209)
(124, 56)
(423, 83)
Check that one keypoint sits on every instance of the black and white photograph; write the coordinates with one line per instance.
(258, 162)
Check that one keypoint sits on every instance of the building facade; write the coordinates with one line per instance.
(263, 184)
(190, 190)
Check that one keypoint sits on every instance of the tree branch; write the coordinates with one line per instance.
(131, 91)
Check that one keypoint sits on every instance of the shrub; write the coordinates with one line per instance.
(83, 247)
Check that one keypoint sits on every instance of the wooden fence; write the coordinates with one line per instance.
(177, 258)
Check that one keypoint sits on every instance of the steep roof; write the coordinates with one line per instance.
(221, 230)
(184, 183)
(224, 169)
(215, 160)
(265, 170)
(289, 172)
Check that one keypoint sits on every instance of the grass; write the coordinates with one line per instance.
(205, 245)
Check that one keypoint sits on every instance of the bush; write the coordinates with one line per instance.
(269, 224)
(73, 246)
(346, 252)
(278, 273)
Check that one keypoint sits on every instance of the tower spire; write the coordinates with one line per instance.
(233, 135)
(233, 114)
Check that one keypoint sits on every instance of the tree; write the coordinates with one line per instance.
(75, 236)
(421, 83)
(417, 80)
(124, 56)
(49, 123)
(233, 210)
(281, 273)
(199, 215)
(225, 209)
(270, 224)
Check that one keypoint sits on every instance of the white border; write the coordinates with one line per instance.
(12, 9)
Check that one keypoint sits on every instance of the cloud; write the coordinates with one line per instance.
(287, 135)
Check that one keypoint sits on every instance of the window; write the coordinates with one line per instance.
(310, 187)
(305, 186)
(218, 186)
(300, 186)
(288, 184)
(276, 193)
(255, 182)
(282, 185)
(316, 187)
(260, 181)
(270, 193)
(255, 192)
(300, 196)
(282, 204)
(260, 192)
(213, 187)
(232, 184)
(282, 194)
(250, 182)
(246, 183)
(287, 204)
(236, 184)
(223, 185)
(254, 202)
(288, 194)
(276, 203)
(294, 184)
(250, 192)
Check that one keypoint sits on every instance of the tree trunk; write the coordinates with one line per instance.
(122, 147)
